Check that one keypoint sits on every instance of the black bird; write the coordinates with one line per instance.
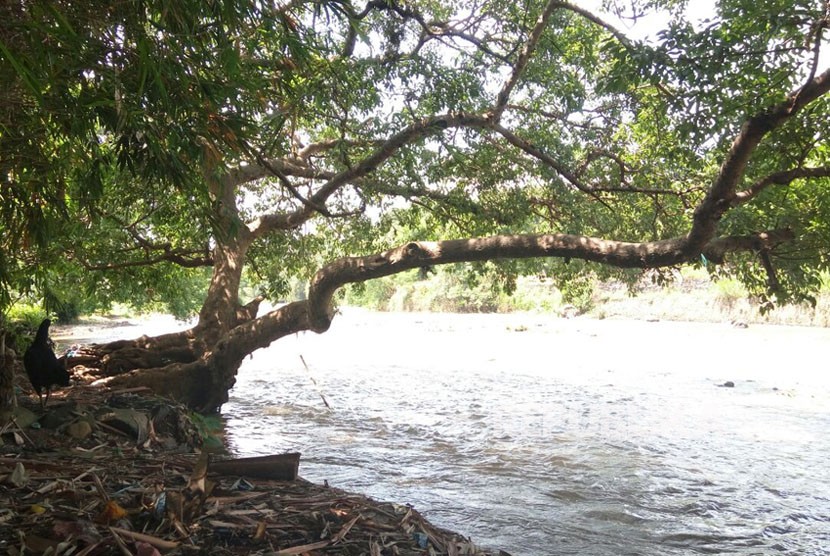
(42, 366)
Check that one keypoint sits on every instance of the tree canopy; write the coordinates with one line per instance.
(331, 129)
(147, 143)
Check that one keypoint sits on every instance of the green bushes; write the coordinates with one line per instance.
(729, 291)
(691, 295)
(450, 292)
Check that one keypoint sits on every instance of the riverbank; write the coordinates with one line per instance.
(701, 300)
(690, 295)
(122, 473)
(86, 477)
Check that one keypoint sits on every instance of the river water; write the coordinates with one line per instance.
(540, 435)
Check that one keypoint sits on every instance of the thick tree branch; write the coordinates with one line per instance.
(316, 313)
(716, 250)
(779, 178)
(721, 195)
(524, 57)
(417, 254)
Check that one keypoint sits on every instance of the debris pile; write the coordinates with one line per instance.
(126, 474)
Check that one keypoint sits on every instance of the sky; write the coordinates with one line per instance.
(696, 11)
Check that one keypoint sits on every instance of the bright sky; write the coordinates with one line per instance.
(696, 11)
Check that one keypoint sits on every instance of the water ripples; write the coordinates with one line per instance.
(541, 443)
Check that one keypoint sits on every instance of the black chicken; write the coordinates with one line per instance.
(42, 366)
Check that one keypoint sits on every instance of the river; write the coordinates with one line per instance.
(540, 435)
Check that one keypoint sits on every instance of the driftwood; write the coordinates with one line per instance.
(278, 467)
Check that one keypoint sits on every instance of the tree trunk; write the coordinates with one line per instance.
(7, 364)
(221, 310)
(204, 383)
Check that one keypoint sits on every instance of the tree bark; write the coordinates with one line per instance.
(221, 310)
(7, 365)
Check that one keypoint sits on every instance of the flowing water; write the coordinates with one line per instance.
(540, 436)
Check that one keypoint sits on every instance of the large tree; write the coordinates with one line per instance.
(145, 141)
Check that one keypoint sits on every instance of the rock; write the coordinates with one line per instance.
(129, 421)
(79, 430)
(23, 417)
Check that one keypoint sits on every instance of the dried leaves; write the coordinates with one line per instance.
(111, 493)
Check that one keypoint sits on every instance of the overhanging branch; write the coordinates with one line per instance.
(417, 254)
(779, 178)
(413, 255)
(717, 249)
(722, 194)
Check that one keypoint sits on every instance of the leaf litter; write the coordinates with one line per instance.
(124, 473)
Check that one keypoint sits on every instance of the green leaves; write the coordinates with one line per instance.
(129, 124)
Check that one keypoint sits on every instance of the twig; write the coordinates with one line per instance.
(120, 542)
(99, 486)
(344, 531)
(161, 544)
(314, 382)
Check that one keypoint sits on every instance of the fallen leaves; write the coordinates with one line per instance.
(107, 493)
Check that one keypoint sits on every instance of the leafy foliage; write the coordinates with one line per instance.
(143, 141)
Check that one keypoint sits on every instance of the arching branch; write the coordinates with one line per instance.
(778, 178)
(722, 194)
(524, 57)
(386, 149)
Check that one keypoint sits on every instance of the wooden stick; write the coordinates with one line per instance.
(156, 542)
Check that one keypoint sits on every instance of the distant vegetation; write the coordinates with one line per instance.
(688, 295)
